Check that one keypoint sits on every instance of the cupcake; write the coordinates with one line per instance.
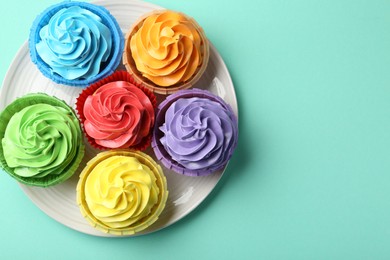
(41, 140)
(76, 43)
(166, 50)
(117, 112)
(195, 133)
(122, 192)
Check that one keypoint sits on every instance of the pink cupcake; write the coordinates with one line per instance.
(117, 112)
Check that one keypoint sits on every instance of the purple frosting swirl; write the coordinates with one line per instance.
(199, 133)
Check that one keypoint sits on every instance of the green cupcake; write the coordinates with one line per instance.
(41, 140)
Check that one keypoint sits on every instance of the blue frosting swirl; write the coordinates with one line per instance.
(75, 43)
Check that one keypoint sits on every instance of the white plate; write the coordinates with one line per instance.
(59, 202)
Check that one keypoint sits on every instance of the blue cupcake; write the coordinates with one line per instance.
(76, 43)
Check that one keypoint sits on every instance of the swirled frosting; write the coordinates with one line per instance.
(41, 140)
(118, 115)
(166, 48)
(199, 133)
(120, 190)
(75, 43)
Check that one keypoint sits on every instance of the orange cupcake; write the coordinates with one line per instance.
(166, 51)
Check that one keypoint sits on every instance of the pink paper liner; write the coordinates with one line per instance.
(159, 150)
(119, 75)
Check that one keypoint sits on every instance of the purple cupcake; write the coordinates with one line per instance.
(196, 132)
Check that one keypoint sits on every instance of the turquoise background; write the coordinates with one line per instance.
(311, 176)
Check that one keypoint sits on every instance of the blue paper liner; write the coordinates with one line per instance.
(107, 19)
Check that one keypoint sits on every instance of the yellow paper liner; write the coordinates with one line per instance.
(141, 224)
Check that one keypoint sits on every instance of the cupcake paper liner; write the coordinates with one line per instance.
(117, 76)
(159, 150)
(132, 68)
(141, 224)
(117, 42)
(16, 106)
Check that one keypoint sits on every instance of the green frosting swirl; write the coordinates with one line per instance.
(41, 140)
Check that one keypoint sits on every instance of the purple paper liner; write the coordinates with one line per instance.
(159, 150)
(107, 19)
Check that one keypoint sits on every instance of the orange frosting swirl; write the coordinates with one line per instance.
(167, 48)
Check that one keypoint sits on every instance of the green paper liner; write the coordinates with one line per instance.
(119, 75)
(131, 67)
(17, 105)
(141, 224)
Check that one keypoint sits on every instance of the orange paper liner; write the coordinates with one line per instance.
(129, 63)
(119, 75)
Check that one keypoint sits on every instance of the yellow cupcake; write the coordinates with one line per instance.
(122, 192)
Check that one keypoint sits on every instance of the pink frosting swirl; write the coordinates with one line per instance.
(118, 115)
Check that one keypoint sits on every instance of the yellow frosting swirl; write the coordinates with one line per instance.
(120, 191)
(167, 48)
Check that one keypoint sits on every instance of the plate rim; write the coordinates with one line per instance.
(19, 57)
